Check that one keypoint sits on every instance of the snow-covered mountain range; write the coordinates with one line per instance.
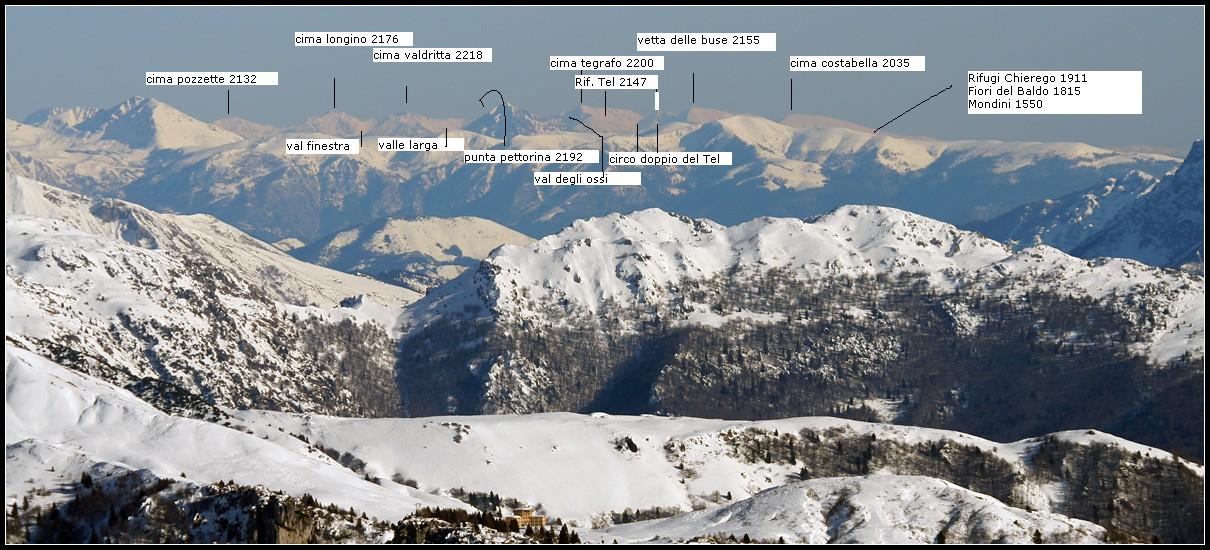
(1159, 221)
(804, 165)
(886, 376)
(866, 311)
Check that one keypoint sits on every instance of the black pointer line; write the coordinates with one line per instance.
(913, 107)
(503, 109)
(598, 135)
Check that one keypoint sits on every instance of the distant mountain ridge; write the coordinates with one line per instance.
(416, 253)
(799, 167)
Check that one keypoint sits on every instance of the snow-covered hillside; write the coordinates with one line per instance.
(866, 311)
(59, 423)
(1153, 220)
(60, 118)
(417, 253)
(189, 312)
(587, 469)
(584, 467)
(1067, 221)
(72, 161)
(643, 257)
(201, 236)
(885, 509)
(1165, 227)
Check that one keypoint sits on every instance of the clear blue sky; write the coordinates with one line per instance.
(98, 56)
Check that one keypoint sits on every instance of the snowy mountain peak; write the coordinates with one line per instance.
(520, 122)
(145, 123)
(415, 253)
(1195, 162)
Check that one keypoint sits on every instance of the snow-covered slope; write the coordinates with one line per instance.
(60, 118)
(1156, 221)
(1165, 227)
(200, 236)
(190, 313)
(583, 467)
(869, 312)
(414, 253)
(145, 123)
(59, 423)
(641, 258)
(245, 128)
(1067, 221)
(886, 509)
(75, 162)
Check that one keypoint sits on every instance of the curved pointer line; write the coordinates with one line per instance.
(503, 109)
